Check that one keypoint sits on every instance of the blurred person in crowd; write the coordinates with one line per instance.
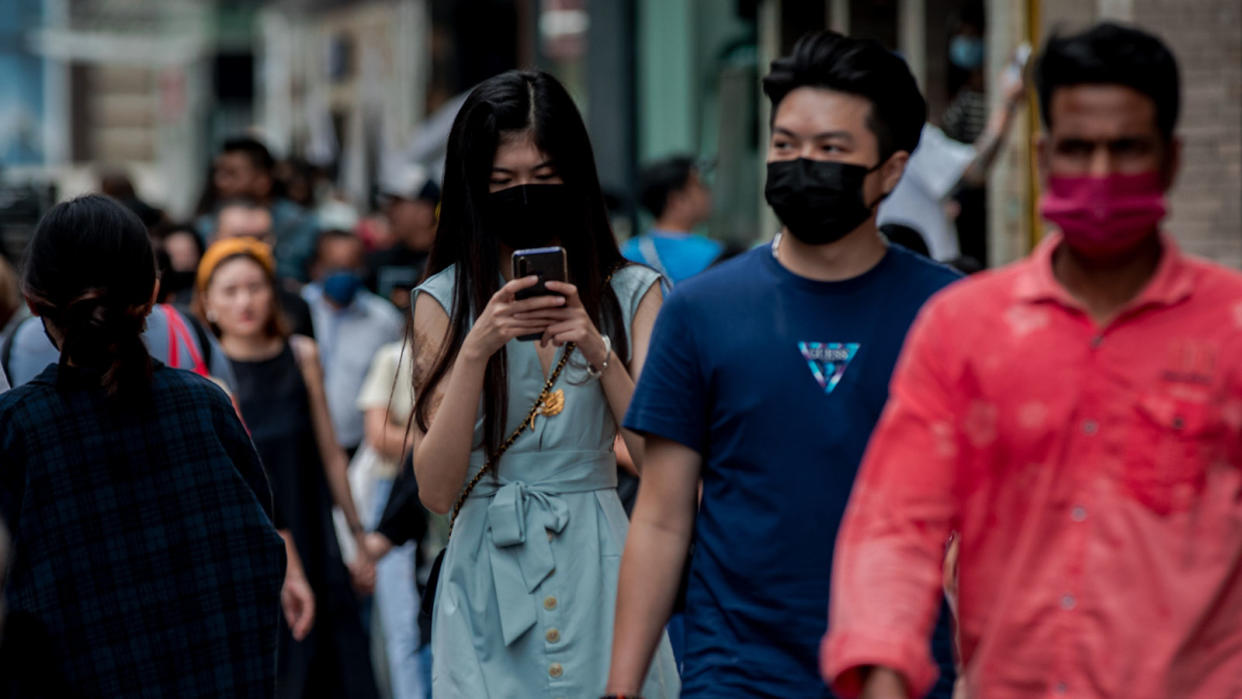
(297, 179)
(244, 170)
(351, 325)
(673, 191)
(1098, 511)
(967, 114)
(116, 184)
(387, 400)
(280, 391)
(940, 166)
(182, 249)
(246, 218)
(765, 377)
(146, 558)
(514, 437)
(965, 121)
(404, 520)
(410, 200)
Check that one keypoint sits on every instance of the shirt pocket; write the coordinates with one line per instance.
(1172, 442)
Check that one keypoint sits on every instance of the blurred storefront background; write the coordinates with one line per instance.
(351, 88)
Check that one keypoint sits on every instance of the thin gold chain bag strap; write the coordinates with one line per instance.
(426, 611)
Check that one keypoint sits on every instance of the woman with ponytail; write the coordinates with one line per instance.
(144, 556)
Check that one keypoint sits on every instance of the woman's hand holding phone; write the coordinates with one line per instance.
(569, 323)
(505, 318)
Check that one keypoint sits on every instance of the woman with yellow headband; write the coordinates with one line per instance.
(280, 391)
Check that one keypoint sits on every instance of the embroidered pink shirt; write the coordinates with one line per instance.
(1094, 475)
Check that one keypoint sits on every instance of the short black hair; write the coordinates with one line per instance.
(260, 157)
(328, 235)
(167, 229)
(660, 179)
(858, 67)
(1111, 54)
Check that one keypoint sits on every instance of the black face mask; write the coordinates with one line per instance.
(532, 215)
(819, 201)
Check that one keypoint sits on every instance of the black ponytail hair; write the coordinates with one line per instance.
(90, 272)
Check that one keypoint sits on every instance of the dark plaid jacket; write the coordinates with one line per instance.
(144, 558)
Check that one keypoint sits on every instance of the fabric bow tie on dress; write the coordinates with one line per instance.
(520, 564)
(520, 514)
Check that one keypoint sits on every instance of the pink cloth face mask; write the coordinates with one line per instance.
(1104, 216)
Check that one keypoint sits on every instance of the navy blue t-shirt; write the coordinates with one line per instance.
(777, 381)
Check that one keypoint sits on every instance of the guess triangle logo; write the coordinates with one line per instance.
(828, 361)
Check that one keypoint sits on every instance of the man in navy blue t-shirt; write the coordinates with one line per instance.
(764, 380)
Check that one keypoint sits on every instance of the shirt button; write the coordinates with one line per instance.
(549, 603)
(1097, 340)
(1060, 688)
(555, 670)
(553, 635)
(1068, 602)
(1078, 514)
(1090, 426)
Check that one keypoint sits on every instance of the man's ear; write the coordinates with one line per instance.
(890, 171)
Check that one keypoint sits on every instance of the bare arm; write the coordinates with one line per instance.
(442, 454)
(883, 683)
(335, 463)
(296, 598)
(655, 553)
(619, 385)
(987, 146)
(623, 454)
(385, 436)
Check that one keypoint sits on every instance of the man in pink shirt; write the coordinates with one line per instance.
(1076, 419)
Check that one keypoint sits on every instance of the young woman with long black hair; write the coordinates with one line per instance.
(524, 607)
(144, 561)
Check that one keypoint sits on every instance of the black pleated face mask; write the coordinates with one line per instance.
(532, 215)
(819, 201)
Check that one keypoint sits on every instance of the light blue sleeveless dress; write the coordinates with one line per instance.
(524, 607)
